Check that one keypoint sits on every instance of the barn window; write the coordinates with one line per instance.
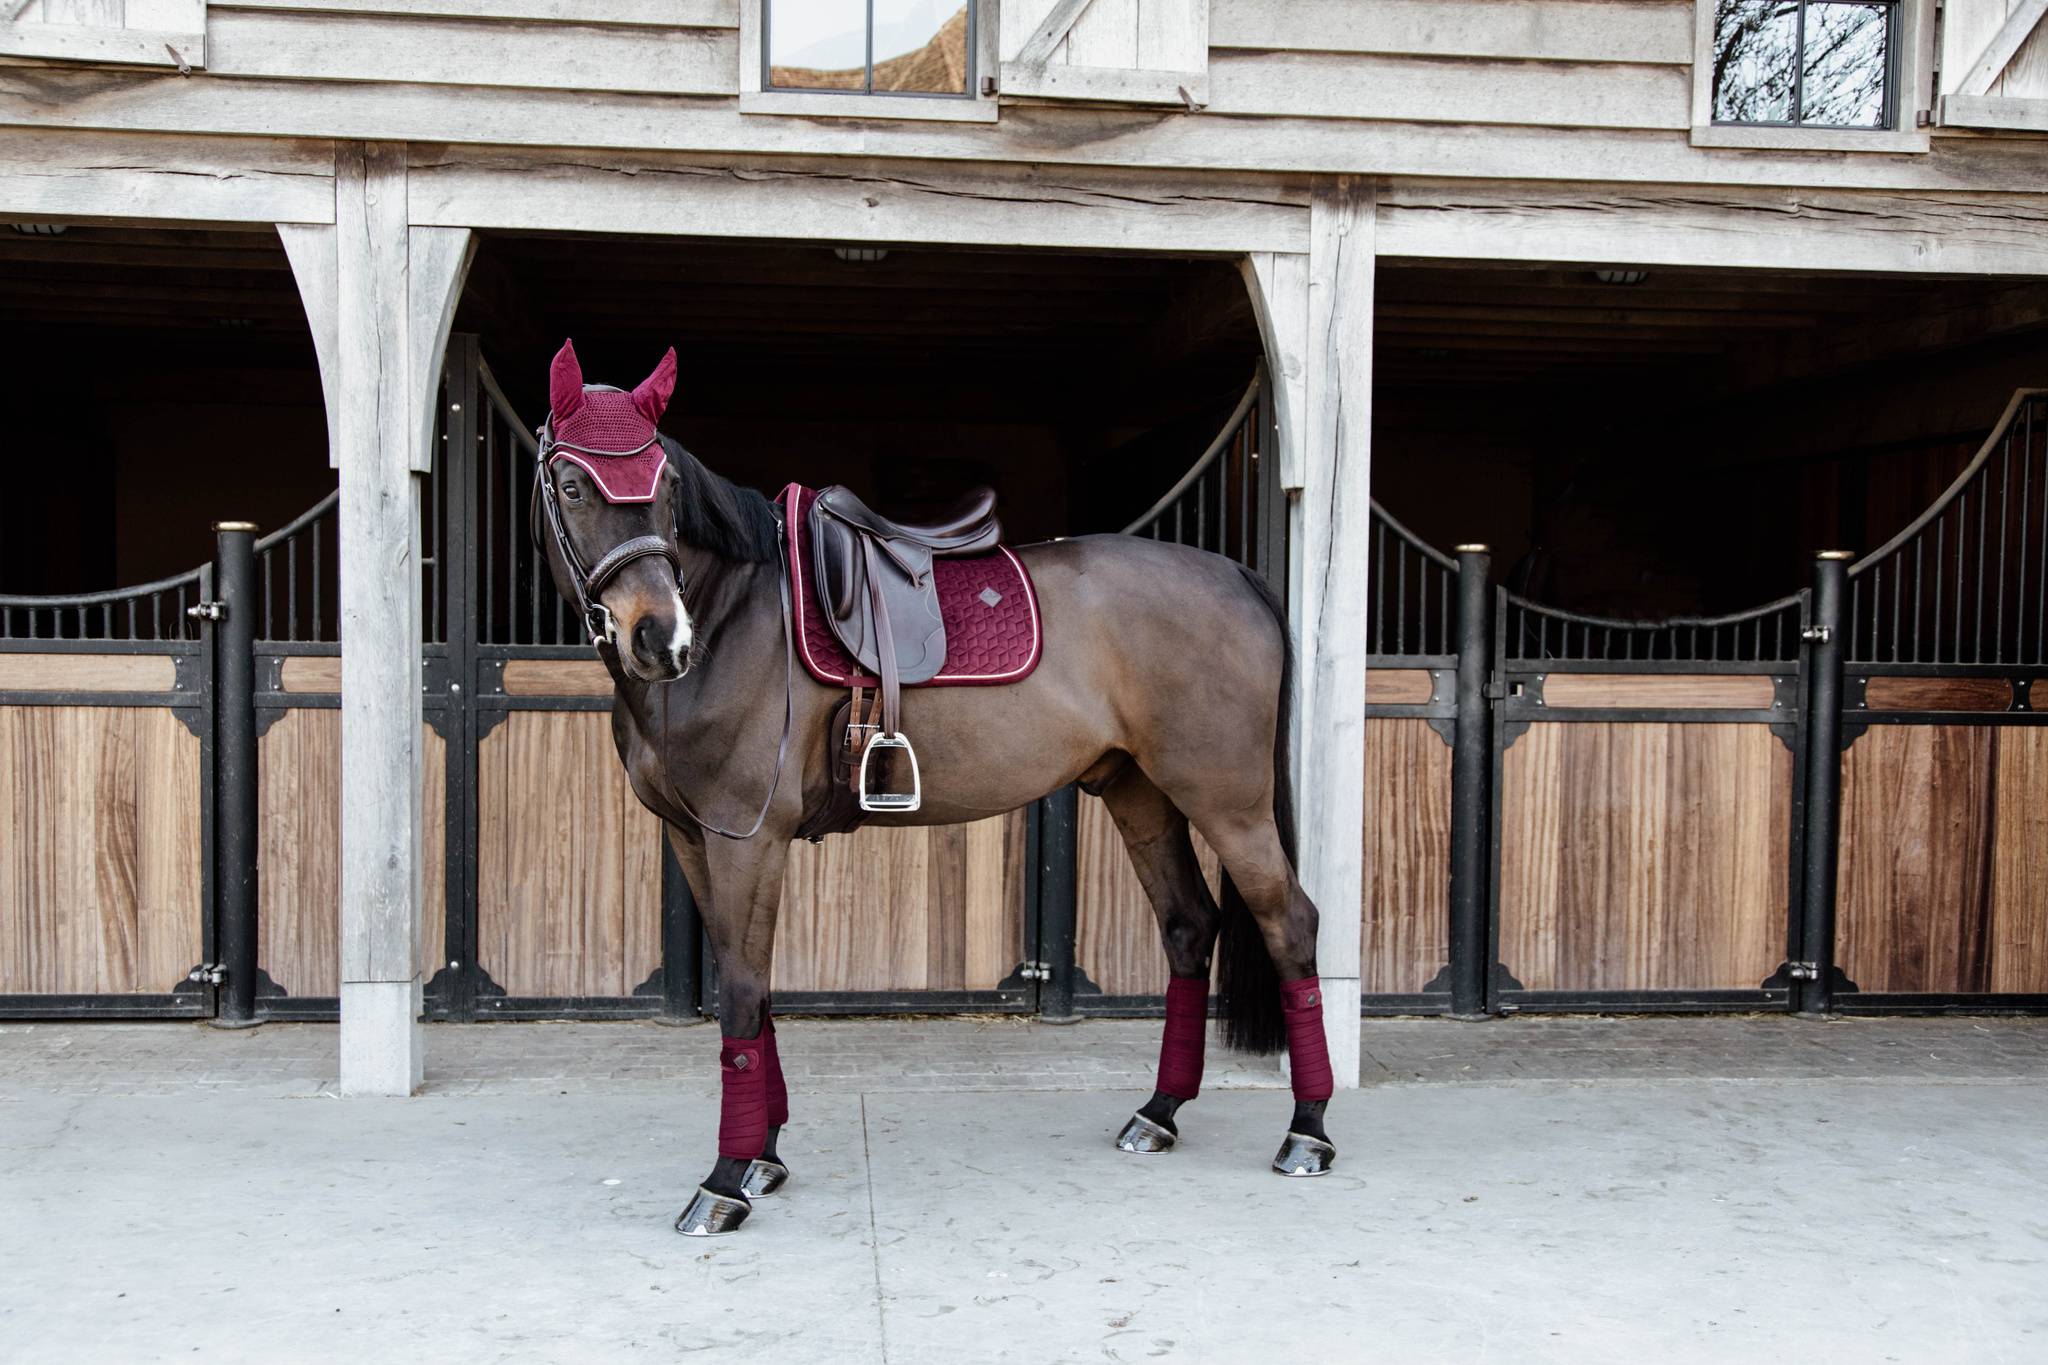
(901, 47)
(870, 58)
(1805, 63)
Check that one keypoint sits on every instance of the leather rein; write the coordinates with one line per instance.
(590, 583)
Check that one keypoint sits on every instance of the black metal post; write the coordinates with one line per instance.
(1059, 816)
(1471, 773)
(234, 756)
(466, 410)
(682, 935)
(1823, 781)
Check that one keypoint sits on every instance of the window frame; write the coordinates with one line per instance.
(1908, 94)
(125, 44)
(978, 105)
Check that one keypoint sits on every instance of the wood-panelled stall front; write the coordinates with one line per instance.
(105, 725)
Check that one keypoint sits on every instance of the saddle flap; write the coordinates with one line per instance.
(903, 587)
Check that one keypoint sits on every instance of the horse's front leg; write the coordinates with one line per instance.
(741, 889)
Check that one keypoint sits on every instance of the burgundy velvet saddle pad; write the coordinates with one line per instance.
(993, 632)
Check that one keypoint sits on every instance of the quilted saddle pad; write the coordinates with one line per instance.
(993, 632)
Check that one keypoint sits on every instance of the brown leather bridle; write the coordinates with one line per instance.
(589, 584)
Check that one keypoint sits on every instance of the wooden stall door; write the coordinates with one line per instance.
(1405, 918)
(101, 887)
(904, 910)
(298, 854)
(1644, 856)
(1944, 860)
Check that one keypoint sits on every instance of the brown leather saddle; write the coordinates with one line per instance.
(874, 579)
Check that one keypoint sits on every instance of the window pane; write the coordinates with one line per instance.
(1845, 65)
(1756, 46)
(818, 44)
(921, 45)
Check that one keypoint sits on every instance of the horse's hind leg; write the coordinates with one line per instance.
(1260, 871)
(1156, 835)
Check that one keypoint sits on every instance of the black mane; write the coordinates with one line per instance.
(718, 515)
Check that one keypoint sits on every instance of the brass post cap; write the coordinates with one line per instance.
(1836, 554)
(1471, 549)
(234, 526)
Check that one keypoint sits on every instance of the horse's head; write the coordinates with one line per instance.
(604, 515)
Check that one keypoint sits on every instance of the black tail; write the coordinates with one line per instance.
(1250, 1003)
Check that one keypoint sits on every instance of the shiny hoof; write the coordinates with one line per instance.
(1302, 1155)
(1144, 1137)
(764, 1177)
(711, 1215)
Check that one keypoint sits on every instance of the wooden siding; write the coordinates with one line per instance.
(1542, 90)
(100, 877)
(904, 909)
(1944, 849)
(1644, 856)
(87, 672)
(1116, 939)
(1673, 691)
(298, 851)
(1399, 686)
(1406, 919)
(1938, 694)
(568, 861)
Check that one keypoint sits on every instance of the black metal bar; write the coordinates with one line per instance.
(234, 756)
(1058, 820)
(1823, 781)
(463, 407)
(682, 938)
(1471, 799)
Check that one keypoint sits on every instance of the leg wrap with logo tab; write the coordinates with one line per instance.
(1180, 1050)
(1308, 1051)
(743, 1106)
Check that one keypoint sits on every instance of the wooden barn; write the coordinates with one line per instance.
(1642, 406)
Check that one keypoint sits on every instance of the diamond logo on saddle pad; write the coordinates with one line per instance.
(989, 597)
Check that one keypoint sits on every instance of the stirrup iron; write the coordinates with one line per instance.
(889, 801)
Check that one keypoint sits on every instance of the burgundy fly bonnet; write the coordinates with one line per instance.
(608, 433)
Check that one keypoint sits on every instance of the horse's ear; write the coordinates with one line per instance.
(565, 382)
(653, 394)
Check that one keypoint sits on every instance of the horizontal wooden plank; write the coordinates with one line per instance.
(1398, 686)
(301, 46)
(645, 13)
(880, 201)
(1660, 691)
(2001, 112)
(1427, 90)
(1545, 30)
(64, 174)
(1938, 694)
(556, 678)
(128, 46)
(311, 673)
(1785, 229)
(42, 99)
(87, 672)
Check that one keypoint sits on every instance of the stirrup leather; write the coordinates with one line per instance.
(889, 801)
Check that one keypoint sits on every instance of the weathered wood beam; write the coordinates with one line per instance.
(69, 175)
(857, 201)
(1332, 546)
(1535, 30)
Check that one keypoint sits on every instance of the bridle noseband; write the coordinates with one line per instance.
(589, 584)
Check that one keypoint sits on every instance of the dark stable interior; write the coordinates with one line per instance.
(1656, 441)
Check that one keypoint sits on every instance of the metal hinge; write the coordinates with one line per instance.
(1817, 635)
(211, 973)
(1035, 971)
(1802, 971)
(208, 611)
(1496, 691)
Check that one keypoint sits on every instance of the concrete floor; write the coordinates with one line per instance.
(1574, 1190)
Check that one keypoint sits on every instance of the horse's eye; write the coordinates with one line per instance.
(572, 490)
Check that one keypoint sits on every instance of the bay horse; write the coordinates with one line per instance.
(1162, 686)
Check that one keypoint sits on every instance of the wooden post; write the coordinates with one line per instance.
(1316, 312)
(376, 321)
